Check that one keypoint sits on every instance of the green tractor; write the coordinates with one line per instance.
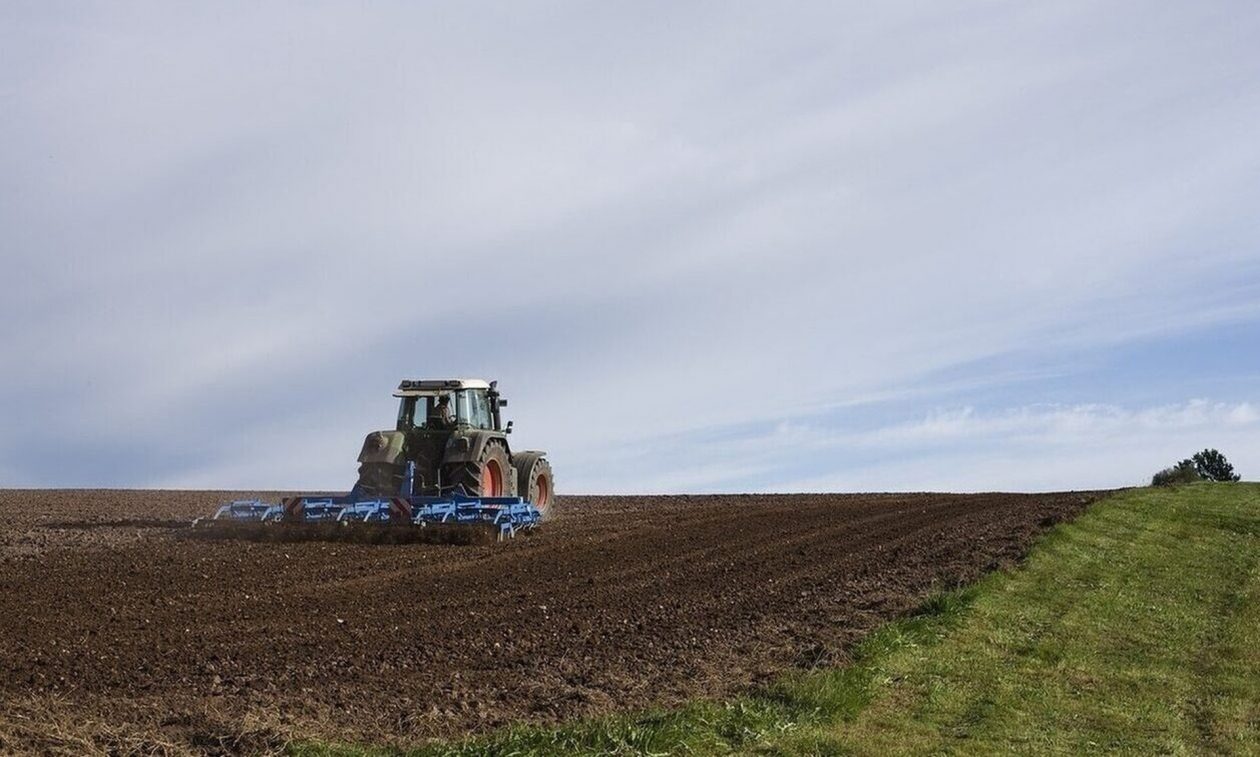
(451, 440)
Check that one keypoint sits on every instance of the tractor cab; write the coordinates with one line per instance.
(448, 404)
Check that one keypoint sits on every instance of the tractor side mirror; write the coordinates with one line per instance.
(508, 430)
(502, 403)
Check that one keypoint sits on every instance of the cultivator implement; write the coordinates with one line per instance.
(455, 519)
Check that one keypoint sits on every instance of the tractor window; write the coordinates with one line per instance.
(406, 413)
(459, 403)
(440, 411)
(480, 409)
(472, 408)
(467, 407)
(427, 412)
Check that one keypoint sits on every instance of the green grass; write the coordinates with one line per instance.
(1134, 629)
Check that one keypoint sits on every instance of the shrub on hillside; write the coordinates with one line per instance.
(1183, 472)
(1213, 466)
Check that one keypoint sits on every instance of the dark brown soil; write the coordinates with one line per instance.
(116, 635)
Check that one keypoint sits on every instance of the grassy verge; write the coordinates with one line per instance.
(1134, 629)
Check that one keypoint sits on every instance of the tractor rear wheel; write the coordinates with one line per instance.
(488, 476)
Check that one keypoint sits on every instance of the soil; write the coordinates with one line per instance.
(116, 635)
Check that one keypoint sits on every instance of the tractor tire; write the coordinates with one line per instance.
(380, 479)
(489, 476)
(535, 481)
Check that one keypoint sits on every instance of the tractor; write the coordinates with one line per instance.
(444, 473)
(451, 432)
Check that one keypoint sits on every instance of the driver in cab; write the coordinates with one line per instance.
(440, 414)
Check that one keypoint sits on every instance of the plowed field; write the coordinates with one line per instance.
(115, 633)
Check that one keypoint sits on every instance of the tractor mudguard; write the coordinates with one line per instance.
(466, 446)
(383, 447)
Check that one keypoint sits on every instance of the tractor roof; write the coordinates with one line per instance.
(425, 387)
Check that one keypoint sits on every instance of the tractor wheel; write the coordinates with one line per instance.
(487, 477)
(380, 479)
(535, 481)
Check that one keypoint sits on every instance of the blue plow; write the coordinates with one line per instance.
(455, 518)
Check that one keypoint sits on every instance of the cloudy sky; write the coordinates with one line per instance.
(704, 246)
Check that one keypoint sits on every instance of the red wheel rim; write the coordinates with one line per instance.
(491, 479)
(544, 493)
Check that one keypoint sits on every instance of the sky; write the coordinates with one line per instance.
(703, 246)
